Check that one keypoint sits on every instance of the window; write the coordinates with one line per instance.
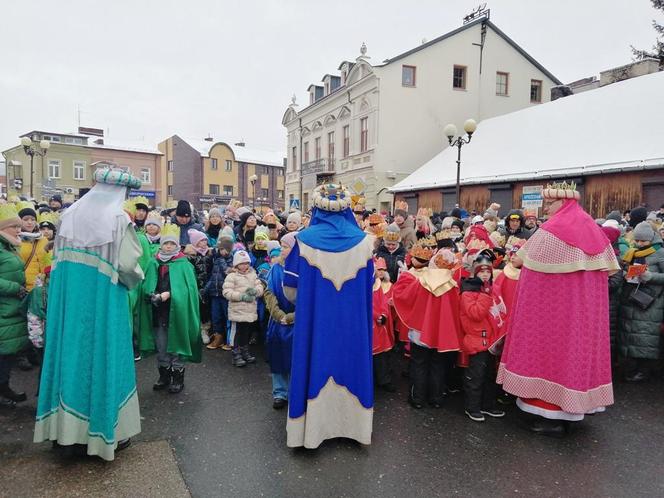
(408, 75)
(228, 190)
(536, 91)
(330, 146)
(294, 159)
(69, 140)
(317, 148)
(145, 175)
(327, 88)
(229, 165)
(54, 168)
(214, 163)
(280, 195)
(364, 134)
(78, 141)
(265, 193)
(171, 166)
(79, 170)
(169, 190)
(459, 78)
(346, 141)
(306, 152)
(73, 140)
(214, 189)
(53, 139)
(279, 171)
(502, 83)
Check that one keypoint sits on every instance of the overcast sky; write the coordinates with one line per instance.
(147, 69)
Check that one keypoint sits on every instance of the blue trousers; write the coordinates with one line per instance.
(219, 310)
(280, 386)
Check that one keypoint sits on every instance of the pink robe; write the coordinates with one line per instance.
(557, 356)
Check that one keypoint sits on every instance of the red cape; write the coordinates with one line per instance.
(436, 318)
(383, 335)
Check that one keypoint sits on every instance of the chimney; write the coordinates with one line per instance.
(240, 144)
(628, 71)
(99, 141)
(560, 91)
(209, 139)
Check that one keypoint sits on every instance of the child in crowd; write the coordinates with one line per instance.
(279, 340)
(383, 329)
(222, 265)
(480, 330)
(242, 288)
(170, 285)
(200, 256)
(153, 224)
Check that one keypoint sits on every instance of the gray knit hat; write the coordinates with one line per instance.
(214, 212)
(644, 231)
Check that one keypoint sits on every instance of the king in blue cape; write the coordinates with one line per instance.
(329, 275)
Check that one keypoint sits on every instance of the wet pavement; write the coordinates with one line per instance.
(228, 441)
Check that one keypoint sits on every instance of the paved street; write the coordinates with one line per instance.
(228, 441)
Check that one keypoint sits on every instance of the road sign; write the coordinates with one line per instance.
(294, 204)
(531, 197)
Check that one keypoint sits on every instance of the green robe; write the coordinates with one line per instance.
(184, 323)
(136, 293)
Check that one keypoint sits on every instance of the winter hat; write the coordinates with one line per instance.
(393, 233)
(8, 216)
(401, 209)
(456, 213)
(637, 215)
(244, 217)
(458, 223)
(289, 239)
(483, 261)
(612, 233)
(261, 238)
(652, 216)
(477, 219)
(227, 233)
(492, 212)
(611, 223)
(644, 231)
(56, 198)
(272, 245)
(183, 208)
(195, 236)
(447, 223)
(170, 233)
(26, 208)
(296, 217)
(614, 215)
(242, 210)
(214, 212)
(241, 257)
(154, 219)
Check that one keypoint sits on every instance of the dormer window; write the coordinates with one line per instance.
(343, 77)
(327, 88)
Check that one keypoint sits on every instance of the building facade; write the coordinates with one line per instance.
(208, 172)
(70, 161)
(373, 124)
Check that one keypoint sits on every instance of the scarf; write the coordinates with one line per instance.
(153, 239)
(213, 230)
(202, 250)
(165, 257)
(633, 254)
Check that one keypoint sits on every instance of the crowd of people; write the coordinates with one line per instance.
(456, 297)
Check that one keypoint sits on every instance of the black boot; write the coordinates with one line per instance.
(550, 428)
(246, 355)
(164, 379)
(9, 393)
(177, 384)
(6, 403)
(238, 361)
(23, 363)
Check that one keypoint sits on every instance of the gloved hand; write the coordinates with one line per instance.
(202, 295)
(247, 299)
(155, 299)
(645, 276)
(22, 292)
(381, 320)
(251, 291)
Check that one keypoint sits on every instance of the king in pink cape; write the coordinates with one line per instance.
(556, 357)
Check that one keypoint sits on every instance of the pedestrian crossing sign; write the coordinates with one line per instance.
(294, 204)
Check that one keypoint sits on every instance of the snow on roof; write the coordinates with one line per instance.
(242, 154)
(612, 128)
(125, 146)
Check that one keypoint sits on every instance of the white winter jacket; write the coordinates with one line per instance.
(235, 286)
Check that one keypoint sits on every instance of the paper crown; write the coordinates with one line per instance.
(357, 203)
(380, 264)
(445, 259)
(48, 217)
(392, 234)
(421, 252)
(8, 212)
(513, 244)
(234, 204)
(425, 212)
(331, 197)
(24, 205)
(129, 206)
(476, 245)
(116, 176)
(170, 231)
(376, 219)
(561, 190)
(446, 233)
(429, 241)
(141, 200)
(401, 205)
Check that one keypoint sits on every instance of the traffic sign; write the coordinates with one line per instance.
(294, 204)
(531, 197)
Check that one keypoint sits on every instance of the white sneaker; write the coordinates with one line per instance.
(205, 337)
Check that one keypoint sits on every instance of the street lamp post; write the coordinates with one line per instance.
(33, 149)
(450, 132)
(252, 180)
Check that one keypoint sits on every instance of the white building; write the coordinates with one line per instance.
(374, 124)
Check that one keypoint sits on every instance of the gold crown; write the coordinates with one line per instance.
(376, 219)
(172, 204)
(561, 190)
(477, 244)
(170, 230)
(129, 206)
(393, 234)
(141, 200)
(8, 212)
(357, 202)
(234, 204)
(402, 205)
(429, 241)
(425, 212)
(420, 252)
(49, 217)
(446, 233)
(24, 205)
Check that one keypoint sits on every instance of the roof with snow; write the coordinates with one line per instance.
(242, 154)
(613, 128)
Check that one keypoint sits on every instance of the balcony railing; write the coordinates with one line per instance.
(320, 166)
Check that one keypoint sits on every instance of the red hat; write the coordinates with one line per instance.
(479, 232)
(380, 264)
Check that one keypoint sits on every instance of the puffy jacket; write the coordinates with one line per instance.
(13, 317)
(615, 288)
(476, 322)
(184, 229)
(392, 259)
(202, 265)
(35, 258)
(235, 286)
(408, 236)
(522, 232)
(639, 332)
(220, 266)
